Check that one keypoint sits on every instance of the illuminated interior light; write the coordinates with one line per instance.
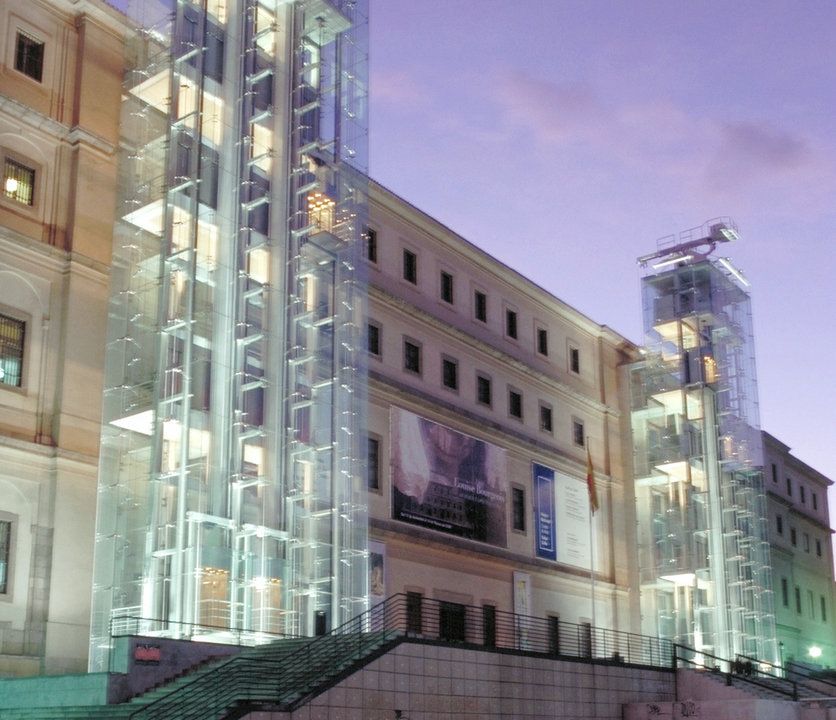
(11, 185)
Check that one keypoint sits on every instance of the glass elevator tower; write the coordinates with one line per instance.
(704, 554)
(231, 502)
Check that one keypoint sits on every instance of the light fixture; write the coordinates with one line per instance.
(11, 186)
(673, 260)
(814, 652)
(726, 263)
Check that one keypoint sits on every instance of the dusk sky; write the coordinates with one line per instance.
(566, 137)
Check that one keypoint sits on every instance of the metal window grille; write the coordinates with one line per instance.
(18, 182)
(29, 58)
(11, 350)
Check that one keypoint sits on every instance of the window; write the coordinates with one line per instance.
(785, 595)
(511, 324)
(12, 334)
(806, 542)
(792, 536)
(515, 404)
(450, 373)
(542, 341)
(545, 418)
(789, 487)
(483, 390)
(371, 245)
(373, 464)
(451, 621)
(811, 604)
(823, 609)
(29, 58)
(578, 433)
(446, 287)
(798, 599)
(818, 547)
(5, 556)
(518, 509)
(410, 267)
(373, 339)
(779, 524)
(575, 360)
(480, 306)
(815, 500)
(802, 493)
(774, 473)
(18, 182)
(411, 356)
(414, 621)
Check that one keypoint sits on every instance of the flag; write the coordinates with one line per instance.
(590, 482)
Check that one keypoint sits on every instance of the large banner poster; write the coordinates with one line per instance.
(562, 517)
(446, 480)
(544, 511)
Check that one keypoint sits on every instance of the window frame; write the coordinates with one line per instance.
(371, 326)
(408, 343)
(574, 357)
(371, 244)
(545, 417)
(24, 347)
(512, 325)
(480, 305)
(448, 361)
(373, 471)
(483, 387)
(21, 34)
(578, 432)
(515, 396)
(541, 339)
(518, 509)
(409, 266)
(446, 287)
(7, 592)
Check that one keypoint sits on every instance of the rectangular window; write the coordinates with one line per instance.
(815, 499)
(446, 287)
(575, 360)
(811, 604)
(414, 622)
(518, 509)
(488, 625)
(545, 418)
(18, 182)
(410, 267)
(542, 341)
(774, 473)
(373, 474)
(823, 609)
(792, 536)
(29, 58)
(411, 356)
(371, 245)
(511, 324)
(483, 390)
(480, 306)
(789, 487)
(798, 599)
(802, 494)
(451, 621)
(450, 373)
(818, 547)
(373, 339)
(515, 404)
(578, 433)
(12, 334)
(5, 555)
(779, 524)
(806, 542)
(785, 594)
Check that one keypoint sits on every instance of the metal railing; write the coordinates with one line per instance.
(286, 673)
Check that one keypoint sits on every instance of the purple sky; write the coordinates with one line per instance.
(565, 138)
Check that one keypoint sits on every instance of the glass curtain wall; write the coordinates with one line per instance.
(704, 553)
(231, 503)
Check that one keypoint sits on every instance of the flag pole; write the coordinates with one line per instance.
(593, 506)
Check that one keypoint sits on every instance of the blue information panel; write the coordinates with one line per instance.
(544, 511)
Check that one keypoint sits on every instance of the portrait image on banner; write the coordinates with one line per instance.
(445, 480)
